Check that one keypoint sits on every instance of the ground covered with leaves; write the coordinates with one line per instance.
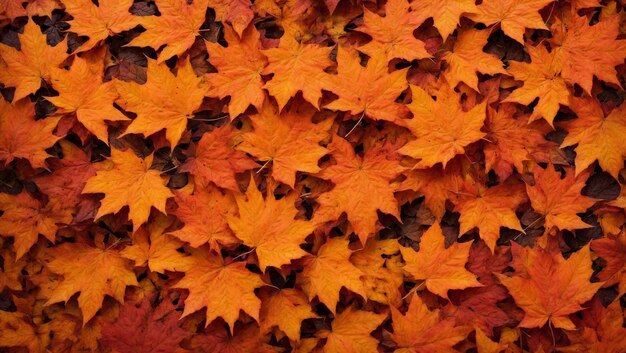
(312, 176)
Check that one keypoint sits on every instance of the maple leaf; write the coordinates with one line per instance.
(422, 330)
(216, 160)
(289, 140)
(392, 35)
(69, 175)
(231, 288)
(24, 218)
(600, 332)
(441, 269)
(21, 136)
(547, 286)
(351, 330)
(380, 264)
(143, 329)
(297, 68)
(27, 67)
(587, 51)
(205, 214)
(238, 13)
(239, 67)
(445, 13)
(129, 182)
(559, 200)
(108, 18)
(542, 80)
(176, 27)
(245, 339)
(598, 137)
(154, 248)
(434, 183)
(442, 128)
(513, 16)
(18, 331)
(512, 142)
(369, 90)
(361, 187)
(91, 271)
(269, 226)
(467, 57)
(162, 103)
(325, 273)
(87, 96)
(285, 309)
(613, 250)
(488, 209)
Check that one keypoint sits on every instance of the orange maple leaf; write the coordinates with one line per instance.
(176, 27)
(369, 90)
(231, 288)
(216, 159)
(439, 267)
(24, 218)
(289, 140)
(422, 330)
(108, 18)
(200, 229)
(512, 16)
(547, 286)
(488, 209)
(512, 141)
(25, 68)
(362, 187)
(325, 273)
(467, 57)
(542, 79)
(239, 67)
(91, 271)
(442, 128)
(129, 182)
(160, 103)
(350, 332)
(598, 137)
(21, 136)
(297, 68)
(285, 309)
(154, 248)
(392, 35)
(445, 13)
(82, 91)
(558, 199)
(586, 51)
(613, 250)
(238, 13)
(269, 226)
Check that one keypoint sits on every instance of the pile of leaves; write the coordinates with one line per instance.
(312, 176)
